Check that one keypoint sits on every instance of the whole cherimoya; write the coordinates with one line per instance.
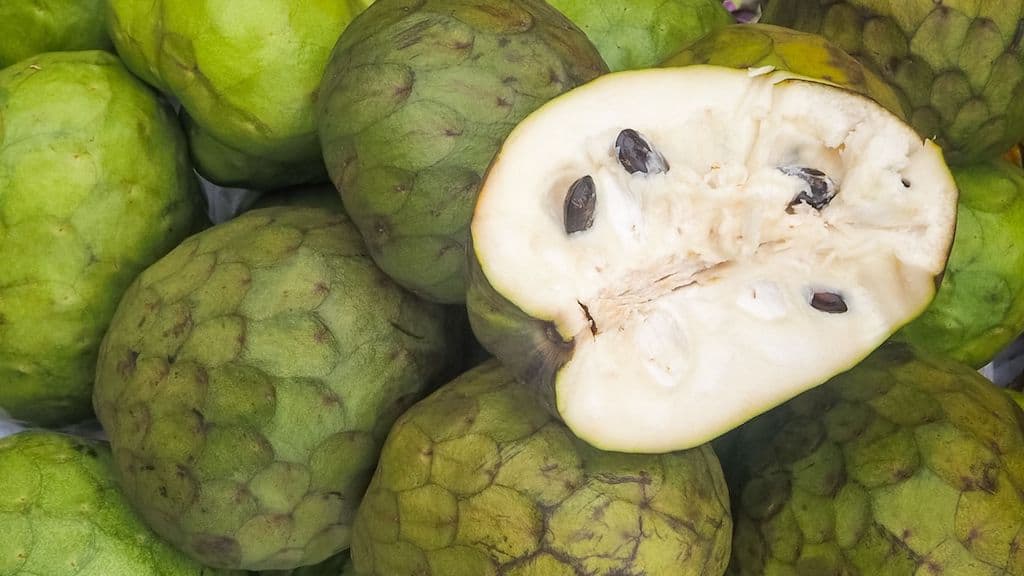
(661, 269)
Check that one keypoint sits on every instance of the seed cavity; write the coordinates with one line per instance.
(580, 203)
(818, 189)
(636, 155)
(828, 302)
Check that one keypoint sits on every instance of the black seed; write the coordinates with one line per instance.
(636, 155)
(828, 302)
(580, 203)
(905, 182)
(818, 189)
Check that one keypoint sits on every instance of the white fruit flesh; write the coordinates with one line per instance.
(689, 298)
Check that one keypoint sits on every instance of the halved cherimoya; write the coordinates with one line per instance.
(664, 254)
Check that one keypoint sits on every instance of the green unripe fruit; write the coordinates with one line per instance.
(957, 66)
(249, 378)
(30, 27)
(62, 514)
(633, 34)
(904, 465)
(246, 74)
(810, 55)
(95, 185)
(478, 480)
(416, 100)
(979, 308)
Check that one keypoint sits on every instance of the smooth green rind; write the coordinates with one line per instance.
(475, 480)
(979, 308)
(249, 378)
(634, 34)
(417, 98)
(906, 464)
(30, 27)
(236, 169)
(810, 55)
(62, 514)
(957, 65)
(247, 74)
(95, 185)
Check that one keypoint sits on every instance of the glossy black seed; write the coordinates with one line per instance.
(580, 203)
(636, 155)
(818, 188)
(828, 302)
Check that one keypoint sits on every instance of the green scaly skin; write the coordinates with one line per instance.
(810, 55)
(635, 34)
(417, 98)
(95, 185)
(249, 378)
(62, 514)
(979, 308)
(30, 27)
(906, 464)
(247, 78)
(475, 480)
(958, 66)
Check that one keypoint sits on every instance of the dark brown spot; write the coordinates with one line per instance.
(580, 204)
(127, 366)
(828, 302)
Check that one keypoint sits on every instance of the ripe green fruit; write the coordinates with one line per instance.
(957, 66)
(476, 480)
(659, 289)
(95, 185)
(632, 34)
(30, 27)
(249, 378)
(758, 45)
(417, 98)
(979, 308)
(62, 514)
(904, 465)
(246, 75)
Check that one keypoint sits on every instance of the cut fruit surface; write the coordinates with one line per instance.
(663, 268)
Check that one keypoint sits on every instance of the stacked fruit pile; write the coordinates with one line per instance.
(532, 287)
